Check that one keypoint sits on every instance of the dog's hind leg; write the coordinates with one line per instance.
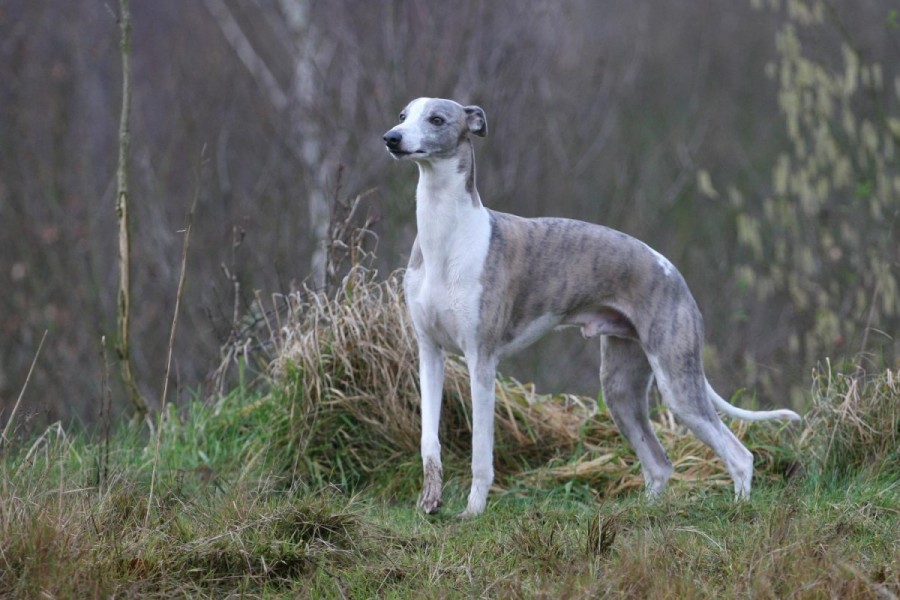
(625, 378)
(431, 380)
(682, 384)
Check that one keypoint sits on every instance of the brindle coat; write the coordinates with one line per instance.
(486, 284)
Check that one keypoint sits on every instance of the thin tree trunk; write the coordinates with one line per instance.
(123, 303)
(305, 140)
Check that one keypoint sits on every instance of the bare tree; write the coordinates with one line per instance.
(302, 45)
(123, 304)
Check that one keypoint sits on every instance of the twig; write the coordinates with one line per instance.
(237, 238)
(165, 390)
(3, 439)
(345, 238)
(105, 418)
(865, 339)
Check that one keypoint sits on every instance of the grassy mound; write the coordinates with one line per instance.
(346, 395)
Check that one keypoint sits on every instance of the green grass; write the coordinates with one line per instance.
(236, 511)
(306, 487)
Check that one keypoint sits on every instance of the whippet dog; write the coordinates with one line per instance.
(485, 284)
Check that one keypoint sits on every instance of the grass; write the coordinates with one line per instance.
(225, 529)
(306, 487)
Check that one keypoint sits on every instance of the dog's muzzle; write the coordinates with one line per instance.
(393, 139)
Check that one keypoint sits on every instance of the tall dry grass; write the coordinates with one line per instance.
(855, 424)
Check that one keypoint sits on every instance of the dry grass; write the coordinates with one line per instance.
(349, 365)
(857, 423)
(62, 538)
(795, 550)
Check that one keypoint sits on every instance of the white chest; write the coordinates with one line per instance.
(444, 291)
(447, 315)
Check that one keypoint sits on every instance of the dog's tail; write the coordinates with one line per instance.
(749, 415)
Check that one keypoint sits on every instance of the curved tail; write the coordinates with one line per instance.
(749, 415)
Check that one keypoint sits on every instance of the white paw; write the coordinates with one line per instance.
(467, 514)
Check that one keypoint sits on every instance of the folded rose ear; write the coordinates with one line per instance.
(476, 121)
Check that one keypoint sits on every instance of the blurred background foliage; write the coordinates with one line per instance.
(821, 249)
(753, 143)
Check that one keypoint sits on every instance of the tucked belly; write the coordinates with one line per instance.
(603, 321)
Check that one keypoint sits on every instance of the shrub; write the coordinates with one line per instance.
(821, 249)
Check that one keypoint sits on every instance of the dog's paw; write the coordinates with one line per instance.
(431, 499)
(431, 503)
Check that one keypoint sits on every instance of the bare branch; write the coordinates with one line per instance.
(244, 49)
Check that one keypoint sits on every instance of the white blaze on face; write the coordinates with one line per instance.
(411, 127)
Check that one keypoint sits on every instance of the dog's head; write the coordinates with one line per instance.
(433, 128)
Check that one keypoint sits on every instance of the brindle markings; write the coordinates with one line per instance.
(515, 278)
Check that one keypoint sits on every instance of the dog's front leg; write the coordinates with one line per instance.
(482, 372)
(431, 380)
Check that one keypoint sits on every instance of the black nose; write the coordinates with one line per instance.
(392, 139)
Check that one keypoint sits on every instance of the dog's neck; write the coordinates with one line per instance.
(450, 178)
(448, 207)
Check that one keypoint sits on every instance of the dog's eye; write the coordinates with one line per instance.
(402, 117)
(436, 121)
